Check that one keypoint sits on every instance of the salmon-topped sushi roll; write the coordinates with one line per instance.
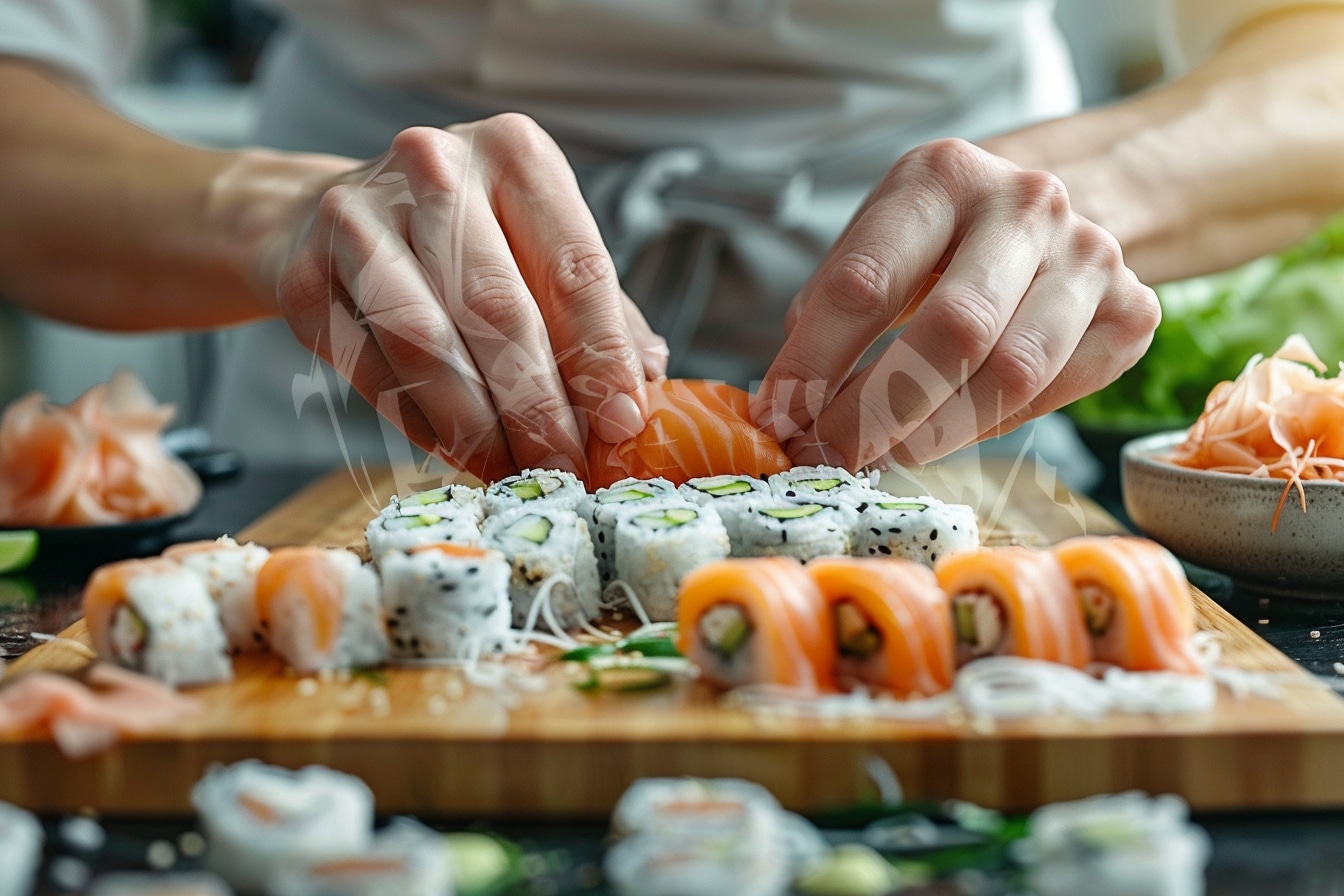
(1135, 601)
(321, 609)
(1015, 601)
(229, 571)
(892, 623)
(756, 620)
(156, 617)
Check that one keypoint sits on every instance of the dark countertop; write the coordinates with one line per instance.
(1253, 853)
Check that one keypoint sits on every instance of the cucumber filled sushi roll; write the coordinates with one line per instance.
(445, 600)
(533, 487)
(229, 572)
(602, 508)
(259, 819)
(321, 609)
(658, 542)
(541, 541)
(920, 529)
(800, 529)
(733, 497)
(21, 841)
(406, 859)
(156, 617)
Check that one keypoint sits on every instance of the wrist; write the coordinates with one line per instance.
(258, 208)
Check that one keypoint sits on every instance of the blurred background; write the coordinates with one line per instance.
(193, 84)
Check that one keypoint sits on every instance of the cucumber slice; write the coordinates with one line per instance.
(425, 519)
(902, 505)
(819, 485)
(732, 487)
(793, 513)
(434, 496)
(648, 646)
(733, 637)
(535, 529)
(668, 519)
(625, 494)
(527, 490)
(854, 632)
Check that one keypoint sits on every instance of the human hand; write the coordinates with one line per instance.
(1032, 308)
(459, 283)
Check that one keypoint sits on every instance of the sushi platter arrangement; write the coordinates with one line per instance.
(786, 629)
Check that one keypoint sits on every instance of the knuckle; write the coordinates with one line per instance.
(580, 271)
(858, 286)
(412, 341)
(1043, 194)
(1098, 247)
(494, 297)
(1019, 364)
(966, 320)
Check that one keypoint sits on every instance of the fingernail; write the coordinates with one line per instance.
(618, 418)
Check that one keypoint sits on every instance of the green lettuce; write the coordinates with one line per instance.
(1211, 326)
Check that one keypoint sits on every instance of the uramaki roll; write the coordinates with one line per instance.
(757, 620)
(1135, 601)
(1015, 601)
(892, 623)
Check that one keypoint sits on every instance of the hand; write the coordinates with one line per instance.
(1032, 308)
(460, 284)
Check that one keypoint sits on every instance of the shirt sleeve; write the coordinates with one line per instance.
(1191, 30)
(96, 42)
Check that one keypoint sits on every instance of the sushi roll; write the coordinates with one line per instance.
(156, 617)
(410, 526)
(892, 623)
(820, 482)
(21, 840)
(693, 835)
(321, 609)
(1014, 601)
(229, 571)
(920, 529)
(800, 529)
(541, 541)
(446, 600)
(658, 543)
(451, 501)
(758, 620)
(600, 510)
(1135, 601)
(532, 487)
(258, 819)
(406, 858)
(733, 497)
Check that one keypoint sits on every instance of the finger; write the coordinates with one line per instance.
(477, 285)
(325, 320)
(568, 269)
(653, 351)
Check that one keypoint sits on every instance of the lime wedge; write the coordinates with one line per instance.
(17, 549)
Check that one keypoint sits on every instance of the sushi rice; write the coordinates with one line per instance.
(602, 508)
(405, 859)
(542, 542)
(445, 604)
(229, 572)
(920, 529)
(797, 528)
(556, 488)
(21, 840)
(658, 542)
(733, 497)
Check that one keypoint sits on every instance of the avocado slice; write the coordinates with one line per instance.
(527, 490)
(854, 631)
(964, 615)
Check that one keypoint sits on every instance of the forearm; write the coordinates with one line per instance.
(1238, 158)
(107, 225)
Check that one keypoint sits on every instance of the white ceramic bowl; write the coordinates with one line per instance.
(1224, 521)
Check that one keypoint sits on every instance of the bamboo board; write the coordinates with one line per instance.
(438, 746)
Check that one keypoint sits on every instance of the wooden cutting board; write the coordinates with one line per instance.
(431, 744)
